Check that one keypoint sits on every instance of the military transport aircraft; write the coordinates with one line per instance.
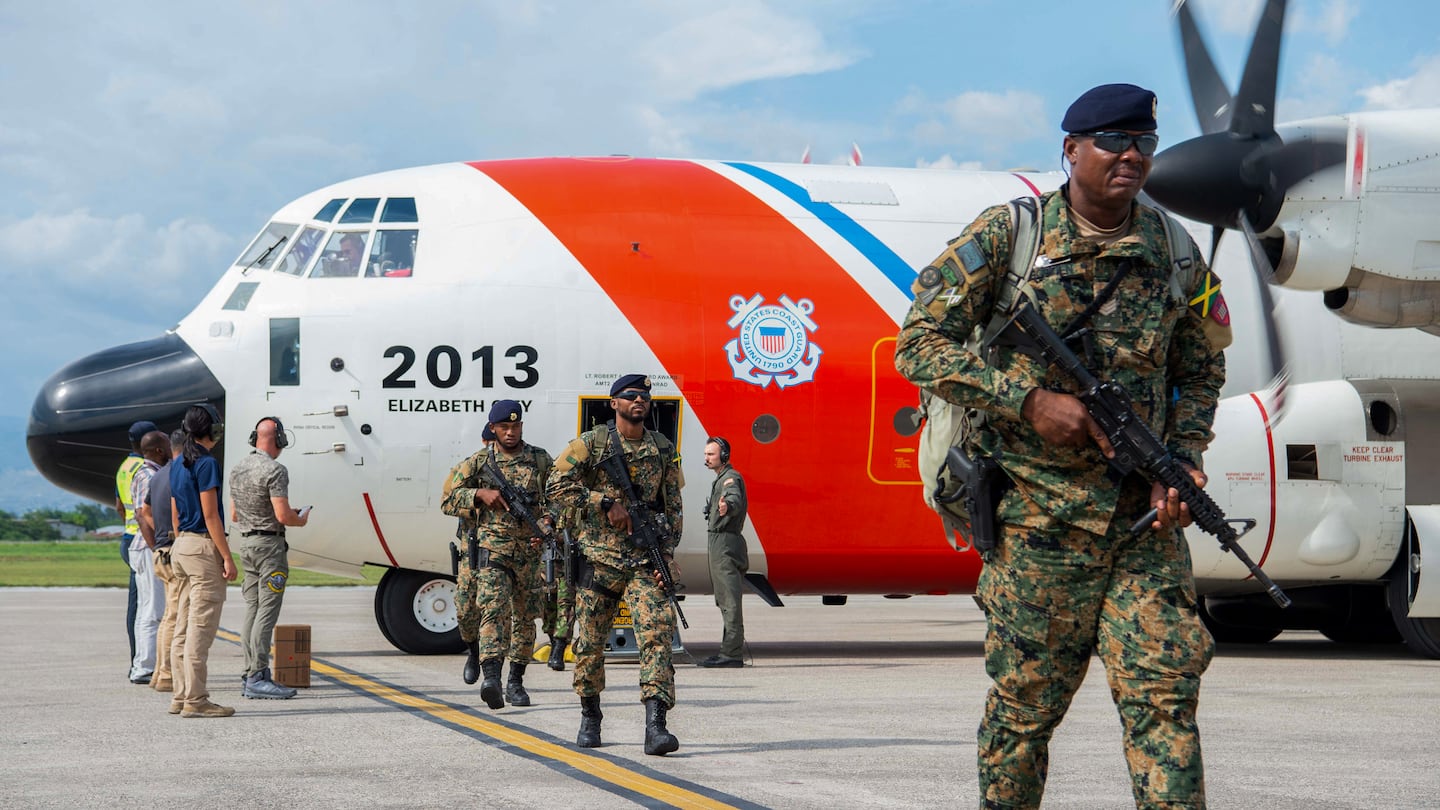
(764, 301)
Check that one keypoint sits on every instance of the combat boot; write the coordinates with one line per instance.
(515, 693)
(658, 740)
(557, 654)
(590, 717)
(490, 687)
(472, 661)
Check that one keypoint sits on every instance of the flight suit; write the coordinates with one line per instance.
(729, 558)
(1067, 579)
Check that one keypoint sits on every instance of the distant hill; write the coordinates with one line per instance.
(21, 487)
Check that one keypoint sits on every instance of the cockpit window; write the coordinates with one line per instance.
(393, 254)
(343, 255)
(267, 246)
(302, 251)
(327, 214)
(399, 209)
(361, 210)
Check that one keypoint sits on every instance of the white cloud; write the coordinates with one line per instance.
(947, 162)
(733, 44)
(1419, 89)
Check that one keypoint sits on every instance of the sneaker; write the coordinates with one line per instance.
(259, 685)
(176, 707)
(141, 679)
(207, 709)
(721, 661)
(162, 685)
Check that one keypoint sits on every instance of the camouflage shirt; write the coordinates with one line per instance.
(497, 529)
(580, 482)
(255, 480)
(1144, 339)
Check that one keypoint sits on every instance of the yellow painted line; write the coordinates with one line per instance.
(601, 769)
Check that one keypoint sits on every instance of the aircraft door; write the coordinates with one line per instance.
(894, 420)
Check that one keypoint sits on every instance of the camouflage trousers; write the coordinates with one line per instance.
(595, 610)
(559, 610)
(1053, 599)
(497, 611)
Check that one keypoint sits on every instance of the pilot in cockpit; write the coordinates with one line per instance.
(352, 256)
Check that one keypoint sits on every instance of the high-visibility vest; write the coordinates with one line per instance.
(123, 479)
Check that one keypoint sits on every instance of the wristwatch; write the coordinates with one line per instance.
(605, 503)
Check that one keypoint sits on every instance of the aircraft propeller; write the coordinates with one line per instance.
(1236, 174)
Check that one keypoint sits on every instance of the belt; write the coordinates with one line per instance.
(262, 534)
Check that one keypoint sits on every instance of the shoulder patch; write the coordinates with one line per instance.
(1206, 296)
(971, 256)
(930, 277)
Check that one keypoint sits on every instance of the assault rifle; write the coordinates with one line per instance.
(648, 529)
(1136, 445)
(523, 505)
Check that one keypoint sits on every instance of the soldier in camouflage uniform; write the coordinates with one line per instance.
(559, 611)
(614, 568)
(467, 610)
(1067, 579)
(509, 553)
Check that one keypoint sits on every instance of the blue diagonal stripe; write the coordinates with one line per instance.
(848, 229)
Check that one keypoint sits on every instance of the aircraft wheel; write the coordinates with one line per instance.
(1235, 633)
(416, 612)
(1421, 635)
(1369, 621)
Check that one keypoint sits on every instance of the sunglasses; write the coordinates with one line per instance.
(643, 396)
(1118, 142)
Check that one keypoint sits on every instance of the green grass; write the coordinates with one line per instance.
(97, 563)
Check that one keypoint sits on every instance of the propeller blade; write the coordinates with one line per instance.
(1215, 233)
(1297, 160)
(1207, 90)
(1254, 113)
(1264, 276)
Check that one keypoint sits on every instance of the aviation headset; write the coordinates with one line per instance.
(281, 440)
(724, 446)
(217, 425)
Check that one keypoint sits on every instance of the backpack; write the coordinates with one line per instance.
(948, 425)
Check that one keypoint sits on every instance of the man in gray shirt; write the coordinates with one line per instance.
(260, 510)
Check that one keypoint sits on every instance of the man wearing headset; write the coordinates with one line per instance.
(729, 559)
(260, 510)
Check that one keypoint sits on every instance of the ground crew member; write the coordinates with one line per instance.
(504, 603)
(124, 483)
(150, 590)
(161, 517)
(729, 559)
(613, 568)
(260, 510)
(1067, 579)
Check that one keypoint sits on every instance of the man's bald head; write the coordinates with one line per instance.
(155, 446)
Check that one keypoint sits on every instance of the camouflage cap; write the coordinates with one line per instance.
(1111, 106)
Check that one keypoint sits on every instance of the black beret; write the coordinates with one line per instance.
(506, 410)
(1111, 106)
(639, 381)
(139, 429)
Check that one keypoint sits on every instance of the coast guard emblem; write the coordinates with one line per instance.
(774, 342)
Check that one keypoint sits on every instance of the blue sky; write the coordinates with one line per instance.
(143, 144)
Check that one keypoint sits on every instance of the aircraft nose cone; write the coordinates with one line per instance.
(78, 431)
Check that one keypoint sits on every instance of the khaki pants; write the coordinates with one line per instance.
(166, 632)
(201, 573)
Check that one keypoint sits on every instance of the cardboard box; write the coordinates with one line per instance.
(290, 658)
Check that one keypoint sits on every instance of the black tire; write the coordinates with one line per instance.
(416, 612)
(1369, 621)
(1421, 635)
(1235, 633)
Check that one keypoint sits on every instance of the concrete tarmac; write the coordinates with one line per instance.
(869, 705)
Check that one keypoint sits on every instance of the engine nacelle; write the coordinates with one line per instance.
(1372, 300)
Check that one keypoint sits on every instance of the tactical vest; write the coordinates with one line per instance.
(948, 425)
